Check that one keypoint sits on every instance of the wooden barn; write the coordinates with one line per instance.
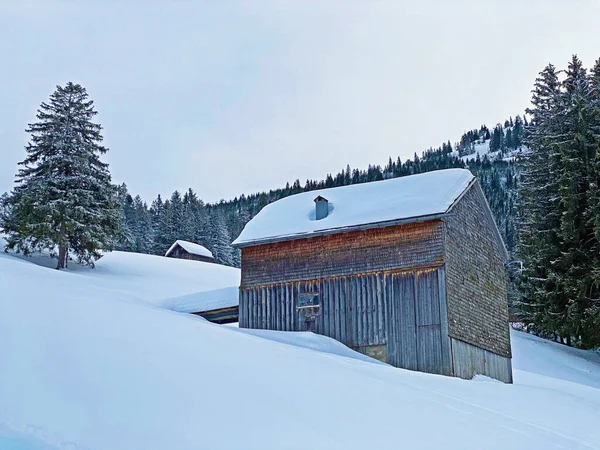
(409, 270)
(189, 250)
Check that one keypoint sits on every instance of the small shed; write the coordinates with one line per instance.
(409, 271)
(217, 306)
(189, 250)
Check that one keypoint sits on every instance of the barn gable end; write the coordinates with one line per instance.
(477, 288)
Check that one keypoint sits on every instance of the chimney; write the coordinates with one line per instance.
(322, 207)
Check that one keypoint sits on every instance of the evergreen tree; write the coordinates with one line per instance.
(517, 132)
(539, 243)
(220, 240)
(559, 208)
(578, 180)
(64, 197)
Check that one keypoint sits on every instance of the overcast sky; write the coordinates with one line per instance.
(238, 97)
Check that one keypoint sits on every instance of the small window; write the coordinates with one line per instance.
(308, 300)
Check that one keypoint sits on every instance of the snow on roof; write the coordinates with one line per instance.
(190, 247)
(204, 301)
(414, 196)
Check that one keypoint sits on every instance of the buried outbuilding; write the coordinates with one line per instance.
(189, 250)
(408, 270)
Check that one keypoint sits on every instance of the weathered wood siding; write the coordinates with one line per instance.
(469, 360)
(402, 310)
(352, 309)
(357, 252)
(222, 315)
(417, 321)
(476, 280)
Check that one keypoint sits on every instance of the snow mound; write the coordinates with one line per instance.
(85, 367)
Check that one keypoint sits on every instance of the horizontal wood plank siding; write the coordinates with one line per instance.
(357, 252)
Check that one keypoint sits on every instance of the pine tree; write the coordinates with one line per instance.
(517, 132)
(142, 230)
(559, 193)
(64, 197)
(539, 243)
(220, 240)
(578, 192)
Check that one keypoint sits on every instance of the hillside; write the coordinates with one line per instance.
(88, 364)
(489, 154)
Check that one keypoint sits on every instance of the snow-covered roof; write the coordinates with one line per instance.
(204, 301)
(192, 248)
(350, 207)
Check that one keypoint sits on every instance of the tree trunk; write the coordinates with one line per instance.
(62, 248)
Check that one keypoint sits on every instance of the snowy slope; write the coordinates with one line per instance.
(480, 148)
(86, 367)
(156, 280)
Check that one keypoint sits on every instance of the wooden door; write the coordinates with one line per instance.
(414, 325)
(401, 327)
(429, 338)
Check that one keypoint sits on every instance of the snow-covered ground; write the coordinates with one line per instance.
(84, 364)
(170, 283)
(480, 148)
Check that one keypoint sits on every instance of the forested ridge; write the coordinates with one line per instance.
(153, 228)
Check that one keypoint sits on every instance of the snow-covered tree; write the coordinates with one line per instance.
(64, 198)
(560, 199)
(220, 240)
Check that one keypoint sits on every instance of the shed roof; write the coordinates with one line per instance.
(204, 301)
(379, 203)
(190, 247)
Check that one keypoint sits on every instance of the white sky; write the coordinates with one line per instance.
(231, 97)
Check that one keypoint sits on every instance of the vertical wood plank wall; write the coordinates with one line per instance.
(469, 360)
(400, 309)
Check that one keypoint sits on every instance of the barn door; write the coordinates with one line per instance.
(402, 331)
(429, 338)
(414, 330)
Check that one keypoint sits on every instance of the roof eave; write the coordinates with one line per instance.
(367, 226)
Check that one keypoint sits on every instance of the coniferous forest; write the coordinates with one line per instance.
(153, 228)
(540, 173)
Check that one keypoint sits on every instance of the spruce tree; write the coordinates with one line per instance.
(559, 195)
(64, 198)
(580, 144)
(220, 240)
(539, 243)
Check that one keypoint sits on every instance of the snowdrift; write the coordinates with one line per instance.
(84, 364)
